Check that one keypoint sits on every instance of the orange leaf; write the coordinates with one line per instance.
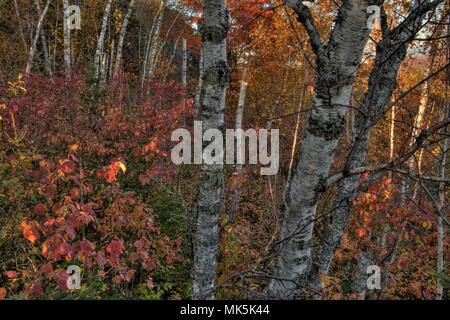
(30, 231)
(2, 293)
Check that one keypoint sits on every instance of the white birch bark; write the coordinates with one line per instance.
(214, 30)
(238, 170)
(197, 101)
(36, 38)
(123, 32)
(149, 43)
(66, 30)
(391, 51)
(48, 65)
(101, 39)
(337, 64)
(295, 139)
(155, 41)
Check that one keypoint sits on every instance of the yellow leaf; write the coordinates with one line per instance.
(122, 167)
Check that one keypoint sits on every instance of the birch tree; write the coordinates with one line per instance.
(101, 39)
(123, 31)
(238, 171)
(336, 63)
(152, 42)
(214, 30)
(197, 104)
(66, 31)
(391, 51)
(36, 38)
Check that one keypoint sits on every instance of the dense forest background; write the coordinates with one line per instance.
(86, 177)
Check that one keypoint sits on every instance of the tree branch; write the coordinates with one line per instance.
(305, 17)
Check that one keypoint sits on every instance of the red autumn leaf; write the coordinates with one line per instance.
(46, 268)
(30, 231)
(36, 289)
(100, 259)
(129, 275)
(62, 281)
(40, 209)
(56, 250)
(75, 193)
(85, 247)
(11, 274)
(115, 248)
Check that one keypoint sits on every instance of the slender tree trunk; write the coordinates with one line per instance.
(48, 65)
(19, 23)
(197, 101)
(295, 139)
(209, 200)
(67, 50)
(391, 157)
(150, 42)
(155, 41)
(36, 38)
(184, 65)
(166, 37)
(101, 39)
(238, 171)
(123, 31)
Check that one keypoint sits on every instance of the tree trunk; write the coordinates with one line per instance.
(206, 240)
(391, 51)
(238, 171)
(337, 64)
(184, 65)
(442, 172)
(67, 50)
(48, 65)
(197, 101)
(123, 31)
(36, 38)
(101, 39)
(153, 45)
(19, 23)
